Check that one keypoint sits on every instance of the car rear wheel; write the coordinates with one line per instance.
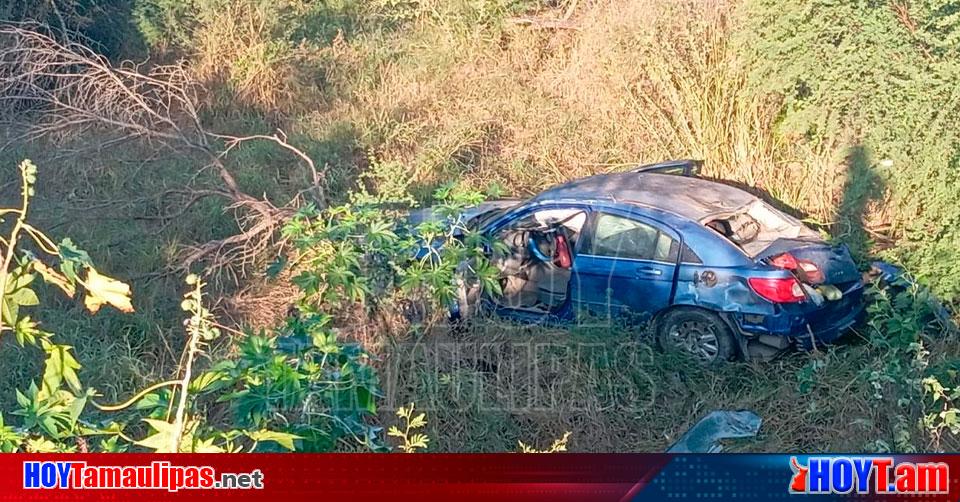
(698, 333)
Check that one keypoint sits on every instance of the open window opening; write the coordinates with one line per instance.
(757, 225)
(822, 271)
(535, 269)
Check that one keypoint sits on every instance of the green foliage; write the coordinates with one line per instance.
(443, 89)
(166, 24)
(410, 442)
(323, 388)
(50, 414)
(880, 76)
(905, 319)
(365, 251)
(300, 386)
(297, 387)
(300, 382)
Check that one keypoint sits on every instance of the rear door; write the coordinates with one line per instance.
(678, 167)
(625, 264)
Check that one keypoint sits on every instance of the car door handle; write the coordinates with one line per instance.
(649, 271)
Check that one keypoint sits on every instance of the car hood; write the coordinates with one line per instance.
(430, 213)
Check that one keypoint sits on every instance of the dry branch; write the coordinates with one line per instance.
(52, 86)
(280, 138)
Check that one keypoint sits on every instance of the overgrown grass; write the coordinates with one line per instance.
(502, 383)
(125, 207)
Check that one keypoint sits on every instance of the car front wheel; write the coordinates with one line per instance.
(699, 333)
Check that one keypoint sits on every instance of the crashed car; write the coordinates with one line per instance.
(716, 270)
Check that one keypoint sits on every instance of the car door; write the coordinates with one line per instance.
(549, 281)
(686, 167)
(625, 264)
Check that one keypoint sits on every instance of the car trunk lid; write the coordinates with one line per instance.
(833, 261)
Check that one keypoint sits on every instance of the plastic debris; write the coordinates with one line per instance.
(705, 435)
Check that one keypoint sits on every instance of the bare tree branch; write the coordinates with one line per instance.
(54, 87)
(280, 138)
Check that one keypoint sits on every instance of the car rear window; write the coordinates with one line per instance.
(757, 225)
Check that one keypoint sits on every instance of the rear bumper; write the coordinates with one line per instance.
(830, 331)
(797, 322)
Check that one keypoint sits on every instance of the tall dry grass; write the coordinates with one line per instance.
(241, 45)
(638, 81)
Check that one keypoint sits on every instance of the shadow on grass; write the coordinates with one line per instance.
(862, 187)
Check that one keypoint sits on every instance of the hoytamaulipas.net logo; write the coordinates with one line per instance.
(158, 475)
(873, 475)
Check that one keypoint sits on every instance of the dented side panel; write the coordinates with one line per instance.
(717, 288)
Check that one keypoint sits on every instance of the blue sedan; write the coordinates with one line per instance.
(719, 272)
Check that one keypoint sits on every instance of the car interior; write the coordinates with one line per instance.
(535, 270)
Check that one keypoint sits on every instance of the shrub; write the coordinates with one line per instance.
(166, 25)
(366, 252)
(297, 387)
(878, 77)
(903, 380)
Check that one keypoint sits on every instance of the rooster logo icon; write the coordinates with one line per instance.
(798, 483)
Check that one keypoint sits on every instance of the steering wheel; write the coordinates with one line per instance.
(534, 249)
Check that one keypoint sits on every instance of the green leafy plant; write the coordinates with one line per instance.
(893, 132)
(182, 431)
(366, 252)
(293, 389)
(558, 445)
(297, 387)
(299, 381)
(944, 415)
(904, 318)
(51, 412)
(410, 441)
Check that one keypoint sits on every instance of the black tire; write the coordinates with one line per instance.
(699, 333)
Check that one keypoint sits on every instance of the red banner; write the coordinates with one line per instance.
(295, 477)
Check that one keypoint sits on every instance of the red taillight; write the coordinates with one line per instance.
(811, 273)
(780, 290)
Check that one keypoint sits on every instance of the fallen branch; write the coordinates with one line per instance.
(280, 138)
(53, 87)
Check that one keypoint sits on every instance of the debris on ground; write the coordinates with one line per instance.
(705, 435)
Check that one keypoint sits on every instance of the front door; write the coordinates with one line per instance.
(536, 264)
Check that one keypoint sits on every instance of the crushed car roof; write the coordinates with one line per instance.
(693, 198)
